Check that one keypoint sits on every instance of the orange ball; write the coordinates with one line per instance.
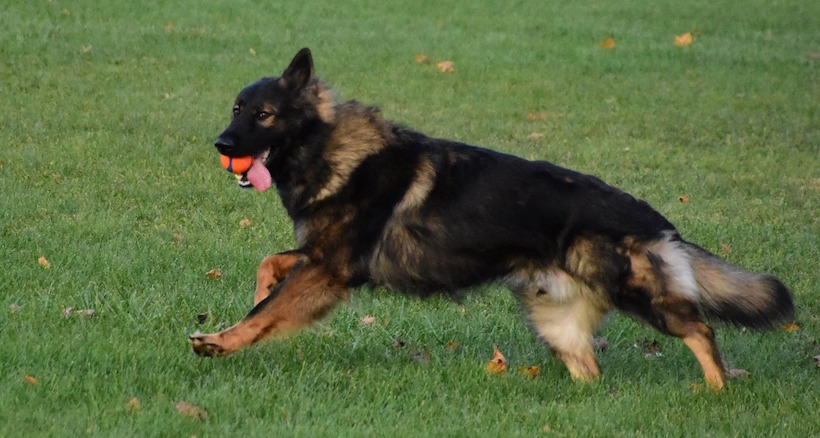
(237, 165)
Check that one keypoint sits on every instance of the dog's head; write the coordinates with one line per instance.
(270, 114)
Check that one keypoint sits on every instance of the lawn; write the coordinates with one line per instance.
(114, 209)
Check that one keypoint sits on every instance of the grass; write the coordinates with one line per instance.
(108, 172)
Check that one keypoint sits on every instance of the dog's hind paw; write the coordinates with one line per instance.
(204, 345)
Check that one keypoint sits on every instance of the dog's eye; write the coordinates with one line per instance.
(236, 110)
(262, 115)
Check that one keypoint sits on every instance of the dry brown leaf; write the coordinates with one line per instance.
(683, 39)
(422, 59)
(133, 405)
(650, 348)
(608, 43)
(537, 116)
(535, 135)
(44, 262)
(791, 327)
(245, 223)
(531, 371)
(31, 380)
(192, 411)
(85, 312)
(214, 274)
(14, 307)
(446, 66)
(368, 320)
(683, 199)
(498, 364)
(452, 345)
(421, 356)
(725, 249)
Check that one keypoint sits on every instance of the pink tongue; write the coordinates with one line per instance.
(259, 175)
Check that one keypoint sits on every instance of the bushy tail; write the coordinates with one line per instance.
(730, 294)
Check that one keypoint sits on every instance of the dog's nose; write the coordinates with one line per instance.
(224, 143)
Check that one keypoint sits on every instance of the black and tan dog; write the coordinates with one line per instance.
(374, 202)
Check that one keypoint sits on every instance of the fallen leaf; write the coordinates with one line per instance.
(683, 199)
(725, 249)
(214, 274)
(67, 312)
(368, 320)
(31, 380)
(176, 238)
(190, 410)
(737, 373)
(683, 39)
(446, 66)
(531, 371)
(422, 59)
(245, 223)
(44, 262)
(85, 313)
(608, 43)
(649, 348)
(535, 135)
(169, 27)
(421, 356)
(817, 360)
(14, 307)
(452, 345)
(498, 364)
(791, 327)
(537, 116)
(133, 405)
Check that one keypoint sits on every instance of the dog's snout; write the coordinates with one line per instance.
(224, 143)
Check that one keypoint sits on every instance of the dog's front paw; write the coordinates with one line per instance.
(206, 345)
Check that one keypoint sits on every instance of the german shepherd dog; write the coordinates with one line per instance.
(374, 202)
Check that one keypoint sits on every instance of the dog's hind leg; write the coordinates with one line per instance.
(273, 271)
(568, 329)
(679, 317)
(566, 316)
(306, 295)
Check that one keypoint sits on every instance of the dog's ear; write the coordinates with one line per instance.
(300, 70)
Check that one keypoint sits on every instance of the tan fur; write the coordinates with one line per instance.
(271, 272)
(355, 137)
(325, 101)
(397, 252)
(569, 323)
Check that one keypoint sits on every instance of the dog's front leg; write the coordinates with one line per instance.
(307, 293)
(273, 271)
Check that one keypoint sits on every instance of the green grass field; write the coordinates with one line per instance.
(108, 172)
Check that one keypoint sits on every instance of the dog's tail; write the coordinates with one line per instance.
(720, 290)
(728, 293)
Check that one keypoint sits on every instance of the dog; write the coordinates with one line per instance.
(374, 202)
